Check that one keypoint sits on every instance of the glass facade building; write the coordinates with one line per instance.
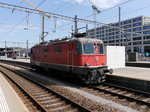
(133, 33)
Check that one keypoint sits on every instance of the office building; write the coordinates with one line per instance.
(133, 33)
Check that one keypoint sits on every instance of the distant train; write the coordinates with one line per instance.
(81, 57)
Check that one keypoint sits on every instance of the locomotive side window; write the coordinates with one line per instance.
(88, 48)
(79, 48)
(46, 50)
(57, 49)
(37, 50)
(100, 48)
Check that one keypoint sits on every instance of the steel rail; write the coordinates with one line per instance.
(25, 92)
(68, 101)
(133, 92)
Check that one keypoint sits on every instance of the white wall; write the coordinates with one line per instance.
(115, 56)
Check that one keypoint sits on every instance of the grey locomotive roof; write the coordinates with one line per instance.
(66, 40)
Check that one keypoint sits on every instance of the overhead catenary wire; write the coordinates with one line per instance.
(110, 8)
(128, 12)
(101, 11)
(20, 21)
(4, 5)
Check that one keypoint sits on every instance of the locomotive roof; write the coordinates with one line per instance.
(66, 40)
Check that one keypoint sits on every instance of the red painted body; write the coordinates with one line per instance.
(63, 56)
(68, 56)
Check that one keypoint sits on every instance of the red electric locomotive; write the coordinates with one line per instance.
(81, 57)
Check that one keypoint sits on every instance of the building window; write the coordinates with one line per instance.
(137, 29)
(137, 19)
(137, 38)
(129, 30)
(147, 49)
(97, 32)
(110, 30)
(127, 22)
(103, 27)
(137, 43)
(146, 37)
(146, 23)
(112, 41)
(127, 26)
(146, 32)
(117, 24)
(137, 24)
(128, 35)
(98, 28)
(146, 42)
(146, 27)
(137, 49)
(117, 36)
(147, 18)
(117, 32)
(129, 43)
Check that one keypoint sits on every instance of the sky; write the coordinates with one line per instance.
(17, 26)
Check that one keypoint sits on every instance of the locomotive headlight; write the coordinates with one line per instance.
(87, 64)
(104, 63)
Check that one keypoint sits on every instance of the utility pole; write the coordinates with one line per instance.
(18, 50)
(87, 32)
(27, 49)
(42, 28)
(42, 13)
(120, 26)
(5, 49)
(76, 27)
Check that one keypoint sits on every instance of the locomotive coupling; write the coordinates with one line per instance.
(108, 71)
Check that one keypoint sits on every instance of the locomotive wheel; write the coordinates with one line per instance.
(93, 74)
(91, 77)
(101, 72)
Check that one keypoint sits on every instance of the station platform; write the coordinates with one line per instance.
(132, 77)
(17, 60)
(9, 100)
(133, 72)
(145, 63)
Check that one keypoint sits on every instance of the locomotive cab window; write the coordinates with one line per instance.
(57, 49)
(79, 48)
(100, 48)
(88, 48)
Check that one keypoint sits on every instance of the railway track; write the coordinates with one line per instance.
(42, 97)
(140, 97)
(123, 92)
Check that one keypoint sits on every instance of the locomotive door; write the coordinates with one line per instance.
(70, 60)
